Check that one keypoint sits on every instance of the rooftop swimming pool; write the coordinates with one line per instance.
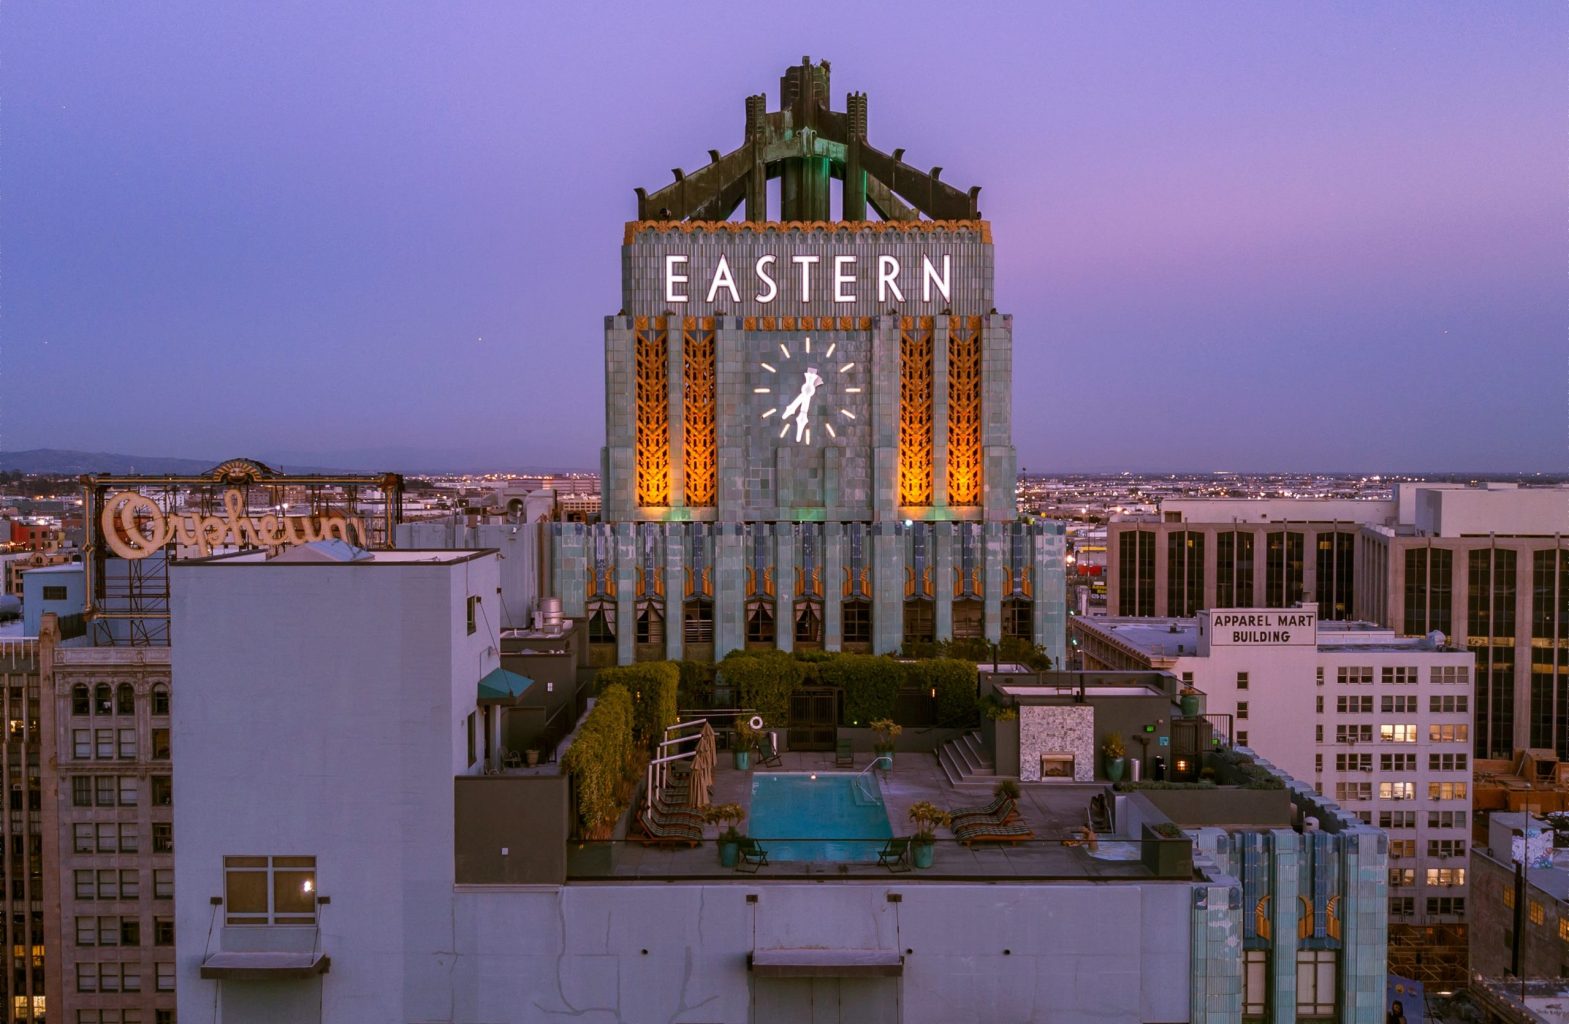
(818, 816)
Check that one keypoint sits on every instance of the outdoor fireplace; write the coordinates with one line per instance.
(1057, 766)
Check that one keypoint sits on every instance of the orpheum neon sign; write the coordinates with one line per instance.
(135, 527)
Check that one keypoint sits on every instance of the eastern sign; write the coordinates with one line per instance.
(839, 278)
(1254, 627)
(135, 527)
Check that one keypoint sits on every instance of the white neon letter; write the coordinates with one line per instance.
(672, 279)
(773, 289)
(929, 277)
(723, 279)
(843, 277)
(806, 274)
(888, 278)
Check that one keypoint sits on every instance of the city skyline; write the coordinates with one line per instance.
(297, 231)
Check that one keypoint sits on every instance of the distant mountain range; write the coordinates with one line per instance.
(410, 462)
(61, 462)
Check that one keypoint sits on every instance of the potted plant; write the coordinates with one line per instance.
(745, 739)
(1006, 787)
(886, 730)
(928, 817)
(531, 757)
(730, 816)
(1116, 756)
(1188, 697)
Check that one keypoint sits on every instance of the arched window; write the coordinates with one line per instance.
(920, 621)
(1017, 616)
(125, 700)
(697, 621)
(856, 621)
(81, 704)
(809, 622)
(103, 702)
(651, 622)
(160, 699)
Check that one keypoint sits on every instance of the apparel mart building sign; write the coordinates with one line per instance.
(1258, 627)
(135, 527)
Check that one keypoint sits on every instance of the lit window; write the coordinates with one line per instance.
(270, 890)
(1315, 982)
(1535, 911)
(1255, 982)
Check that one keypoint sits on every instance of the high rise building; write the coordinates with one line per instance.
(1488, 566)
(23, 662)
(1380, 723)
(809, 431)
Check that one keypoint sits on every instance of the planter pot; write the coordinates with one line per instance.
(1190, 705)
(743, 760)
(885, 753)
(729, 852)
(921, 854)
(531, 757)
(1115, 766)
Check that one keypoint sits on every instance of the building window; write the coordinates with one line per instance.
(1405, 704)
(697, 625)
(1453, 906)
(1353, 762)
(473, 721)
(1336, 558)
(103, 702)
(124, 700)
(920, 621)
(163, 790)
(1402, 906)
(163, 1017)
(1447, 762)
(1017, 616)
(126, 744)
(1242, 737)
(472, 614)
(1354, 675)
(82, 838)
(601, 622)
(1234, 569)
(1446, 877)
(129, 841)
(1242, 710)
(1255, 982)
(1396, 819)
(1242, 680)
(103, 744)
(160, 744)
(1283, 577)
(160, 699)
(1358, 705)
(760, 622)
(1401, 848)
(1184, 572)
(1508, 889)
(1397, 733)
(269, 890)
(81, 703)
(856, 623)
(163, 837)
(165, 977)
(163, 931)
(1136, 573)
(1397, 762)
(650, 623)
(1438, 848)
(163, 883)
(809, 622)
(1315, 982)
(1446, 790)
(1397, 791)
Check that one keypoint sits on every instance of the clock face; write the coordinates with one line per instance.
(809, 391)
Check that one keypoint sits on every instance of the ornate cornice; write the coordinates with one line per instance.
(787, 227)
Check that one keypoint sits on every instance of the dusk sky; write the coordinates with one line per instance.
(1232, 235)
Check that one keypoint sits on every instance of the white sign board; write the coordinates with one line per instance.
(1263, 627)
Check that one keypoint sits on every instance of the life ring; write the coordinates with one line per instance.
(755, 723)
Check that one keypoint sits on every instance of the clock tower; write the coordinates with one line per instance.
(808, 420)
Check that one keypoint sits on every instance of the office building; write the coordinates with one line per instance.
(1380, 723)
(1487, 566)
(808, 425)
(22, 662)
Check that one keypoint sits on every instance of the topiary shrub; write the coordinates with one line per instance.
(956, 685)
(764, 681)
(598, 758)
(870, 683)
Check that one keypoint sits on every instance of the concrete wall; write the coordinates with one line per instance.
(34, 604)
(323, 711)
(519, 545)
(973, 953)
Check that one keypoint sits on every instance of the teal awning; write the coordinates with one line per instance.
(502, 687)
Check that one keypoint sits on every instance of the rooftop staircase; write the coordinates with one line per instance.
(965, 762)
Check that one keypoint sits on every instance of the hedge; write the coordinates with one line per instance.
(696, 689)
(870, 683)
(652, 686)
(1011, 650)
(958, 701)
(598, 757)
(763, 680)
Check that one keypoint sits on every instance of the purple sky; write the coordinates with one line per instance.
(1233, 236)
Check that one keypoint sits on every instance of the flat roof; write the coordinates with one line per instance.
(1179, 638)
(396, 556)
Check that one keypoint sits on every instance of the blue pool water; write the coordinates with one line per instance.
(798, 816)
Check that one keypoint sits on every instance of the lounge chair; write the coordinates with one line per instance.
(667, 811)
(768, 751)
(667, 832)
(993, 833)
(511, 758)
(1001, 810)
(750, 856)
(895, 855)
(844, 757)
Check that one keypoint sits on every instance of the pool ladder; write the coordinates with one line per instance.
(862, 785)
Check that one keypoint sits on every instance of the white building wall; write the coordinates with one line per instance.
(321, 712)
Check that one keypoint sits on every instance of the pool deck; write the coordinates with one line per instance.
(1054, 811)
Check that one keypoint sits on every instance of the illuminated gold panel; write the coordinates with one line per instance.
(964, 411)
(651, 363)
(915, 411)
(699, 412)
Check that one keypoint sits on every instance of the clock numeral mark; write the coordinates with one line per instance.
(784, 430)
(831, 346)
(830, 428)
(770, 412)
(847, 414)
(770, 369)
(760, 391)
(785, 349)
(852, 391)
(846, 367)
